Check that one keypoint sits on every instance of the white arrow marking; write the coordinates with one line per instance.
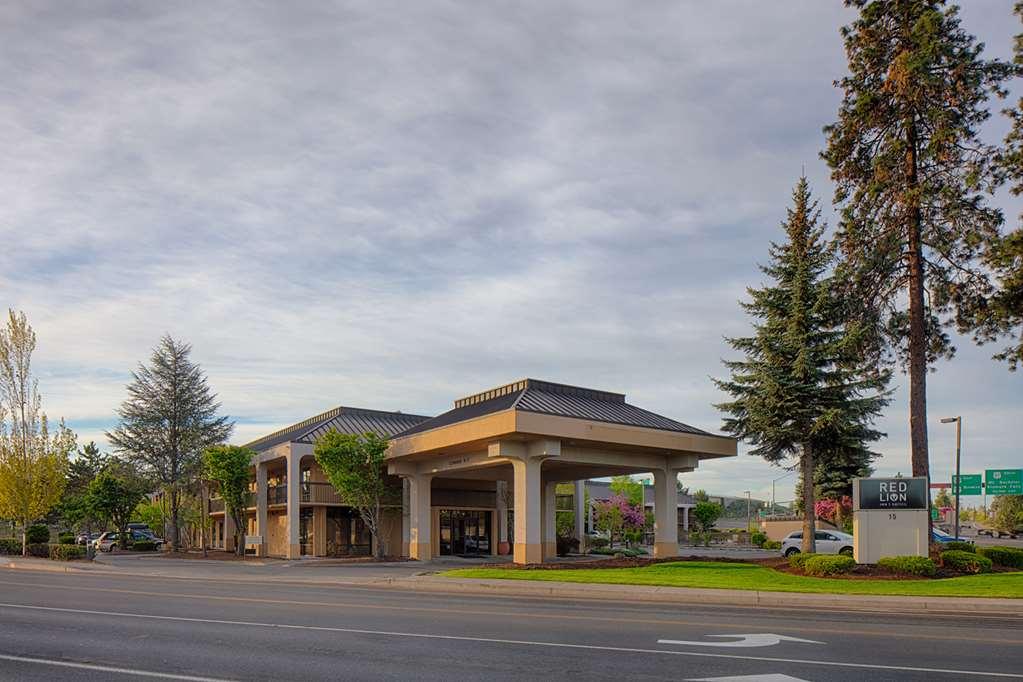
(776, 677)
(744, 641)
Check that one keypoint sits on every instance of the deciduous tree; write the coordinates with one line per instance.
(229, 467)
(168, 420)
(354, 465)
(33, 461)
(113, 496)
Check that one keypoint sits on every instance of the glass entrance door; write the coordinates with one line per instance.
(464, 533)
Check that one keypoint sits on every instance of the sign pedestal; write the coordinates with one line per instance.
(890, 518)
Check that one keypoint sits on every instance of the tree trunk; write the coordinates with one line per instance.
(809, 525)
(175, 531)
(205, 520)
(917, 322)
(24, 539)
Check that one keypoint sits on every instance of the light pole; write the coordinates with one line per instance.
(772, 488)
(958, 483)
(747, 511)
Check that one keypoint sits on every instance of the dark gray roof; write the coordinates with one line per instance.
(346, 420)
(545, 397)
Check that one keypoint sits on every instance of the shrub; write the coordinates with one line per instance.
(772, 544)
(597, 541)
(603, 551)
(66, 538)
(909, 565)
(38, 533)
(758, 539)
(149, 545)
(1011, 557)
(798, 559)
(961, 546)
(566, 545)
(66, 552)
(39, 549)
(10, 546)
(828, 564)
(967, 562)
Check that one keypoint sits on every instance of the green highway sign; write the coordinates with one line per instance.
(935, 514)
(1002, 481)
(970, 485)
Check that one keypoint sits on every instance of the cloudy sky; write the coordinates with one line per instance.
(392, 205)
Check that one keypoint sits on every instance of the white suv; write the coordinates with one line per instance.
(827, 541)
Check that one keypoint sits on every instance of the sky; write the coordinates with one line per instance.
(392, 205)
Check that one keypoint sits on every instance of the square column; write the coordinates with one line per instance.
(294, 548)
(665, 513)
(406, 529)
(229, 528)
(579, 506)
(261, 502)
(550, 520)
(502, 518)
(528, 510)
(420, 518)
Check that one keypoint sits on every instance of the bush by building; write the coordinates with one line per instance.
(597, 541)
(798, 560)
(828, 564)
(909, 565)
(966, 562)
(37, 533)
(961, 546)
(1010, 557)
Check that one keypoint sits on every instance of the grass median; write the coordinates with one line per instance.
(738, 576)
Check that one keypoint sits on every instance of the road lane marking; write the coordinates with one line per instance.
(744, 641)
(508, 614)
(109, 669)
(514, 642)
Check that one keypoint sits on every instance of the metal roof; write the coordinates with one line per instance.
(545, 397)
(346, 420)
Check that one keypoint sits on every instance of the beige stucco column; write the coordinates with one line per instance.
(550, 520)
(229, 527)
(501, 511)
(579, 507)
(665, 513)
(420, 517)
(406, 529)
(528, 548)
(261, 502)
(294, 548)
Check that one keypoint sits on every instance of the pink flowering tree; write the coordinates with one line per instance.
(617, 517)
(837, 512)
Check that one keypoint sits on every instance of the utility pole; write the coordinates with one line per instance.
(747, 511)
(958, 484)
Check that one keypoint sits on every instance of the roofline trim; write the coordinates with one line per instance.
(540, 385)
(323, 417)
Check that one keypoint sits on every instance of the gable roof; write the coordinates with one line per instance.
(562, 400)
(352, 420)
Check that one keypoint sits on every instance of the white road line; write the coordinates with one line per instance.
(517, 642)
(109, 669)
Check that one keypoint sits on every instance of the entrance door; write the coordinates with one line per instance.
(464, 533)
(305, 531)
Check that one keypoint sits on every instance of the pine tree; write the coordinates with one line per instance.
(801, 391)
(168, 420)
(1001, 314)
(911, 174)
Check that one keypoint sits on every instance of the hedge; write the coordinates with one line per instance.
(828, 564)
(13, 546)
(67, 552)
(798, 559)
(38, 534)
(1011, 557)
(10, 546)
(967, 562)
(909, 565)
(772, 544)
(960, 546)
(66, 538)
(142, 546)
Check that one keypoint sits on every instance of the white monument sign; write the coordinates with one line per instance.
(890, 518)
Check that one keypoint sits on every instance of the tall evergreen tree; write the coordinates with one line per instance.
(911, 173)
(168, 420)
(1001, 314)
(801, 391)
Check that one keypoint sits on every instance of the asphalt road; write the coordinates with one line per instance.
(102, 627)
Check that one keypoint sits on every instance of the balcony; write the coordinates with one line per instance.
(320, 493)
(277, 494)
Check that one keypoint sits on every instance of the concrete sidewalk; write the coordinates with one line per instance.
(421, 577)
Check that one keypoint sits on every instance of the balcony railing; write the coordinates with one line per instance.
(277, 494)
(216, 504)
(320, 493)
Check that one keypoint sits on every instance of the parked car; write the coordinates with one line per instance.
(108, 540)
(827, 541)
(943, 537)
(87, 538)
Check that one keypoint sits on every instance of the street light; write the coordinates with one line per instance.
(958, 483)
(772, 487)
(747, 511)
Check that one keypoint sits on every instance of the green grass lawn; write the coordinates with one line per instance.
(752, 577)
